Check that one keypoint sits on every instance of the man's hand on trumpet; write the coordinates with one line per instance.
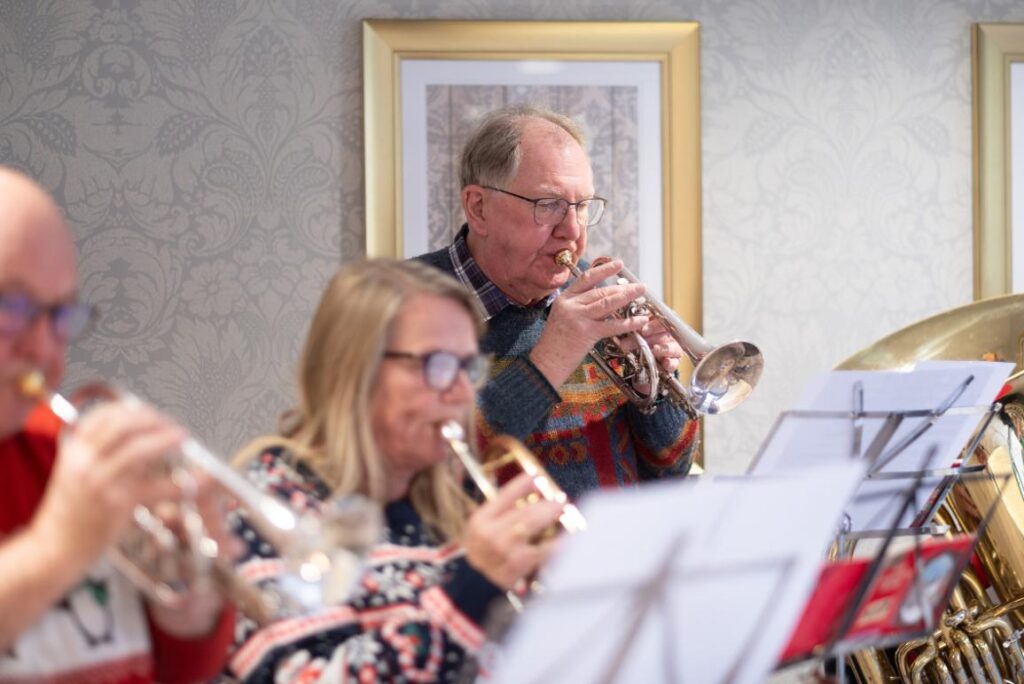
(111, 461)
(104, 469)
(501, 537)
(583, 314)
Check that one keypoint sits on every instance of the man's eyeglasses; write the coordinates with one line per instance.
(68, 320)
(549, 211)
(441, 368)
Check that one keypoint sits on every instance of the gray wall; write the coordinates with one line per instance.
(209, 156)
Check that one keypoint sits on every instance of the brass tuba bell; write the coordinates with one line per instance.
(722, 376)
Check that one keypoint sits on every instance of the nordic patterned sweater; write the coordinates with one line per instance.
(586, 433)
(415, 616)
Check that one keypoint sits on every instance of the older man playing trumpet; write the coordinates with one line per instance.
(528, 194)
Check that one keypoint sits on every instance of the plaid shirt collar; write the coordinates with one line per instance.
(492, 300)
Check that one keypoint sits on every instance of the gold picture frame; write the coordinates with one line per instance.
(994, 48)
(673, 47)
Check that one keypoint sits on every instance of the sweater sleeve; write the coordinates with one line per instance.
(516, 400)
(666, 441)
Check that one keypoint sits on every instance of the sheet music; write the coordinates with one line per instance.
(689, 582)
(799, 441)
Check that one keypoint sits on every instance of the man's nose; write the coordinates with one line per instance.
(39, 341)
(569, 227)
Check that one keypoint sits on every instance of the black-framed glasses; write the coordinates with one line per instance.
(549, 211)
(441, 368)
(68, 320)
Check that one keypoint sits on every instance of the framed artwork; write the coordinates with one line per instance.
(633, 87)
(998, 113)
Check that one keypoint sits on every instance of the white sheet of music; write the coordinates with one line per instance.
(689, 582)
(797, 442)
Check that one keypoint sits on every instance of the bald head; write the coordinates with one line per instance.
(37, 264)
(32, 228)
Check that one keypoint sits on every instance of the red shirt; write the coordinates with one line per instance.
(26, 461)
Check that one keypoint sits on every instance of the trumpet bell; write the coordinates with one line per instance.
(725, 377)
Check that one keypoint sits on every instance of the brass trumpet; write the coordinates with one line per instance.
(322, 554)
(503, 453)
(722, 376)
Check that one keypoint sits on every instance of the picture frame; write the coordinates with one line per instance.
(997, 52)
(405, 59)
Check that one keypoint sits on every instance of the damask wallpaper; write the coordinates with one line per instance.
(208, 154)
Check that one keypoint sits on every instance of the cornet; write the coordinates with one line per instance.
(722, 376)
(322, 554)
(505, 453)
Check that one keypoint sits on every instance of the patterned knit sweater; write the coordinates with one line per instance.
(415, 616)
(586, 433)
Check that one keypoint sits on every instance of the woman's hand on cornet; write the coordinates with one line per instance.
(583, 314)
(501, 536)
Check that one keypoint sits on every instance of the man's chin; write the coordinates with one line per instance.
(14, 411)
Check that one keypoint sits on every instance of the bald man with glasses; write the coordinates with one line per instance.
(528, 193)
(65, 614)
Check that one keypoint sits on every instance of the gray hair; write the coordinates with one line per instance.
(492, 154)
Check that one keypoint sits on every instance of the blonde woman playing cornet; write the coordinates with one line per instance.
(392, 355)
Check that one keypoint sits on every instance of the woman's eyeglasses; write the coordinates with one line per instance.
(441, 368)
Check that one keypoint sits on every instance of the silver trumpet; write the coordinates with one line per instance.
(322, 554)
(722, 376)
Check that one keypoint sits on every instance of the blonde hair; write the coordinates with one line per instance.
(330, 428)
(492, 154)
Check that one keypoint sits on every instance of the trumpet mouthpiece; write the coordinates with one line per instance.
(32, 384)
(451, 430)
(564, 258)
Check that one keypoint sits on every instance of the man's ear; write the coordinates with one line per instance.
(473, 207)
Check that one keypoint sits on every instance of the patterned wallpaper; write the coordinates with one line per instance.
(208, 154)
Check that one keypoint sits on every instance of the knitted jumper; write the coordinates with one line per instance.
(585, 433)
(415, 616)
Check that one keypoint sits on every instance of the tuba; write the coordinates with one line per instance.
(722, 376)
(978, 638)
(322, 555)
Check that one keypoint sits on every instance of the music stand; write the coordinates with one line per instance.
(910, 449)
(691, 582)
(888, 595)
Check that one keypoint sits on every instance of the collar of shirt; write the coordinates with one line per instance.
(492, 300)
